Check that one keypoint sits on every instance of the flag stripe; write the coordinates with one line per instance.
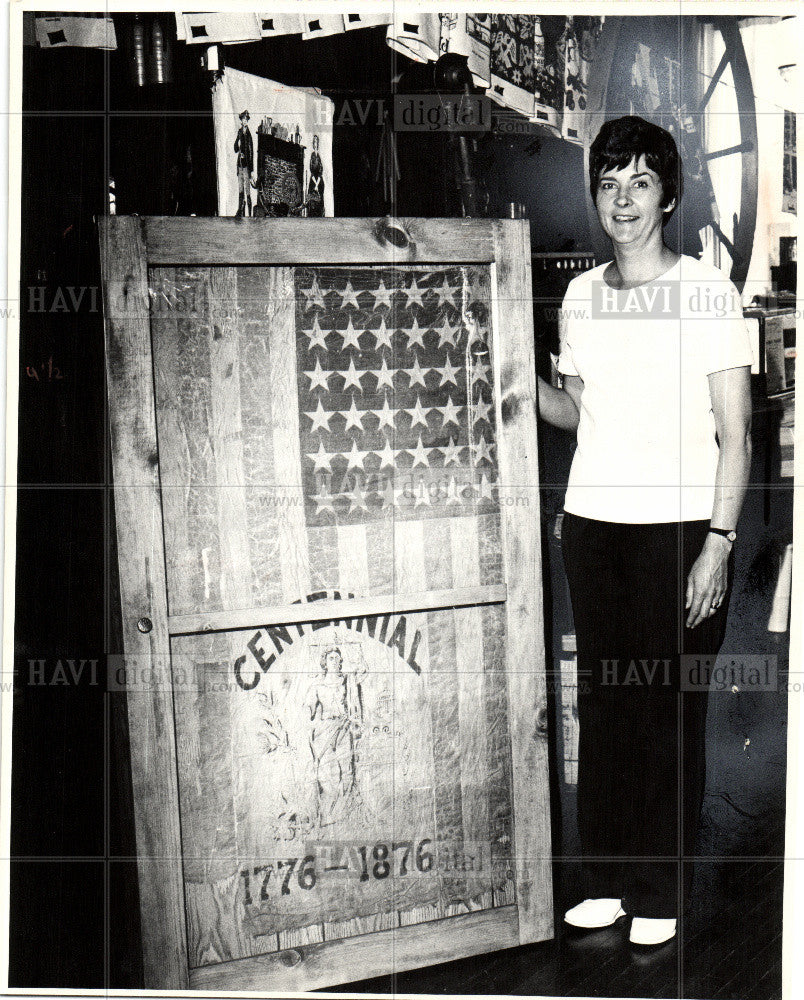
(294, 561)
(499, 742)
(471, 686)
(187, 406)
(258, 440)
(353, 560)
(182, 581)
(226, 423)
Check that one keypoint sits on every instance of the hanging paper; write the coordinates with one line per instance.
(281, 24)
(86, 31)
(469, 35)
(512, 51)
(207, 29)
(415, 35)
(319, 25)
(365, 20)
(273, 147)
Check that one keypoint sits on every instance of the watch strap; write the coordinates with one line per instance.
(728, 533)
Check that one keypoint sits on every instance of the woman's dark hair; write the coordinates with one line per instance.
(625, 139)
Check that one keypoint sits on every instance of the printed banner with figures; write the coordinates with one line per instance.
(273, 148)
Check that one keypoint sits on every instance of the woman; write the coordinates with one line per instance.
(315, 186)
(655, 359)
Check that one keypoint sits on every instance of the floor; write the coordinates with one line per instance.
(731, 948)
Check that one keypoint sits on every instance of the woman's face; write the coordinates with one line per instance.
(332, 662)
(629, 203)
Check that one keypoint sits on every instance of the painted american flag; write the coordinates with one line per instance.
(395, 393)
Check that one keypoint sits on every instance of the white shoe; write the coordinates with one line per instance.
(645, 930)
(595, 913)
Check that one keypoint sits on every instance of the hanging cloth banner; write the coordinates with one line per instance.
(512, 51)
(415, 35)
(582, 37)
(537, 66)
(469, 35)
(548, 76)
(273, 147)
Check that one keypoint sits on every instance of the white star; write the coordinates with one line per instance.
(448, 373)
(444, 293)
(382, 335)
(387, 494)
(355, 457)
(450, 413)
(485, 488)
(387, 455)
(480, 410)
(418, 414)
(357, 497)
(480, 372)
(349, 296)
(319, 379)
(354, 417)
(482, 451)
(322, 458)
(477, 287)
(386, 415)
(382, 296)
(451, 452)
(415, 335)
(416, 374)
(477, 332)
(317, 335)
(422, 494)
(419, 454)
(324, 501)
(351, 377)
(453, 496)
(320, 418)
(384, 376)
(314, 295)
(351, 337)
(446, 333)
(414, 293)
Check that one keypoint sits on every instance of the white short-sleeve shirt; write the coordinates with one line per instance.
(647, 450)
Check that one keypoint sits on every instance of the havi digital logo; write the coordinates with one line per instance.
(657, 299)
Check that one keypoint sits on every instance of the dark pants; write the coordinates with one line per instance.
(641, 753)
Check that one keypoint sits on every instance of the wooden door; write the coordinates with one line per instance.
(327, 507)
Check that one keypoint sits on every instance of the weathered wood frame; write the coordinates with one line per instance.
(128, 246)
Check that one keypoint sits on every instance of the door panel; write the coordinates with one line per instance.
(351, 631)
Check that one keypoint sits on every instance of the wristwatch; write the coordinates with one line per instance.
(729, 533)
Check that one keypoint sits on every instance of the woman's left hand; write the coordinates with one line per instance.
(706, 584)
